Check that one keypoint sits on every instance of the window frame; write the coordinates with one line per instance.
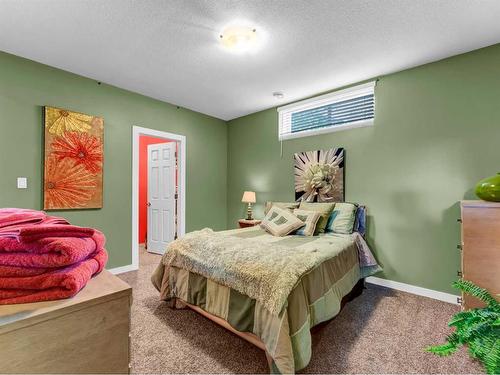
(323, 100)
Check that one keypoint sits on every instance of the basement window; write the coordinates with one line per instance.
(350, 108)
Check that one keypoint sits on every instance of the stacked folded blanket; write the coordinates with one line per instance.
(44, 258)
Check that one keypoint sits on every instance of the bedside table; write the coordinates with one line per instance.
(244, 223)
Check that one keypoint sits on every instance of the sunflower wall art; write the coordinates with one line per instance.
(319, 175)
(74, 146)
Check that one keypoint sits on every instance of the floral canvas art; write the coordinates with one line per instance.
(74, 146)
(319, 175)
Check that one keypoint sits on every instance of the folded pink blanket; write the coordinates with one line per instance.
(48, 252)
(12, 220)
(15, 216)
(61, 283)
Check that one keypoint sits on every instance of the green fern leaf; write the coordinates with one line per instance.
(442, 350)
(479, 329)
(491, 359)
(475, 291)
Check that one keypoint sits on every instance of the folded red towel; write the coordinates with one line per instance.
(33, 233)
(61, 283)
(44, 258)
(48, 252)
(13, 271)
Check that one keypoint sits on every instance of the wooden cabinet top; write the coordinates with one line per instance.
(479, 203)
(104, 287)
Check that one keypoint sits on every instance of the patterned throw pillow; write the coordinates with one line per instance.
(290, 206)
(342, 218)
(310, 218)
(280, 222)
(325, 209)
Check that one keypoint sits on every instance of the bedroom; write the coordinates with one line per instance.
(434, 71)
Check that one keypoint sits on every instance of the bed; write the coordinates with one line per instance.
(276, 316)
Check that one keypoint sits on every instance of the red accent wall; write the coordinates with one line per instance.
(144, 141)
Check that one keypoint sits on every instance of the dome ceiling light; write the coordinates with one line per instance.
(239, 38)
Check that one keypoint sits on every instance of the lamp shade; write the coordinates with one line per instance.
(248, 197)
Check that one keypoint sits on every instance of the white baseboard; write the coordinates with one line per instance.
(419, 291)
(123, 269)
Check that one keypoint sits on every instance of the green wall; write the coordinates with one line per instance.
(26, 86)
(436, 133)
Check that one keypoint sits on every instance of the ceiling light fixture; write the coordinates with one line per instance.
(239, 38)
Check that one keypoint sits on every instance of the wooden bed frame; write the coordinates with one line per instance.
(356, 291)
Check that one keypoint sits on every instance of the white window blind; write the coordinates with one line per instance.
(345, 109)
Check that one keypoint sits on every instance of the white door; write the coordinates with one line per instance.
(161, 196)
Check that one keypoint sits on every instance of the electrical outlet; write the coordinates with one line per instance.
(22, 182)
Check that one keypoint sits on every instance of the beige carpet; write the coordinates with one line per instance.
(382, 331)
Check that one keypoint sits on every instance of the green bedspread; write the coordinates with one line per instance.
(315, 298)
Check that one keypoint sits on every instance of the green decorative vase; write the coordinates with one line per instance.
(489, 188)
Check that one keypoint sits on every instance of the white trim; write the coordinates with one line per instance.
(318, 101)
(137, 131)
(419, 291)
(123, 269)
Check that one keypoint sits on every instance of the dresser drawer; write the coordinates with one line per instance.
(481, 248)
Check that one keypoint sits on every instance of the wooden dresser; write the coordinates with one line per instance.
(480, 247)
(88, 333)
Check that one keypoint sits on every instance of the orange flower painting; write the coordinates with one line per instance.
(73, 160)
(83, 148)
(67, 184)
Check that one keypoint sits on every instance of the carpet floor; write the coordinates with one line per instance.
(382, 331)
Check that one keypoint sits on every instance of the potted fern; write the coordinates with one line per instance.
(479, 329)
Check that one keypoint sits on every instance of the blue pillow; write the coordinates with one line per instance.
(360, 223)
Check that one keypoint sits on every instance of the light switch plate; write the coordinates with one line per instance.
(22, 183)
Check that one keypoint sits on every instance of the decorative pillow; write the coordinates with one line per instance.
(280, 222)
(290, 206)
(325, 209)
(310, 218)
(342, 218)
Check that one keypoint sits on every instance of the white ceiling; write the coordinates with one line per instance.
(169, 49)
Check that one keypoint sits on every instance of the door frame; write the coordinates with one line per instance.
(137, 131)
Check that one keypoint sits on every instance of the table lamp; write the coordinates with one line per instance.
(249, 197)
